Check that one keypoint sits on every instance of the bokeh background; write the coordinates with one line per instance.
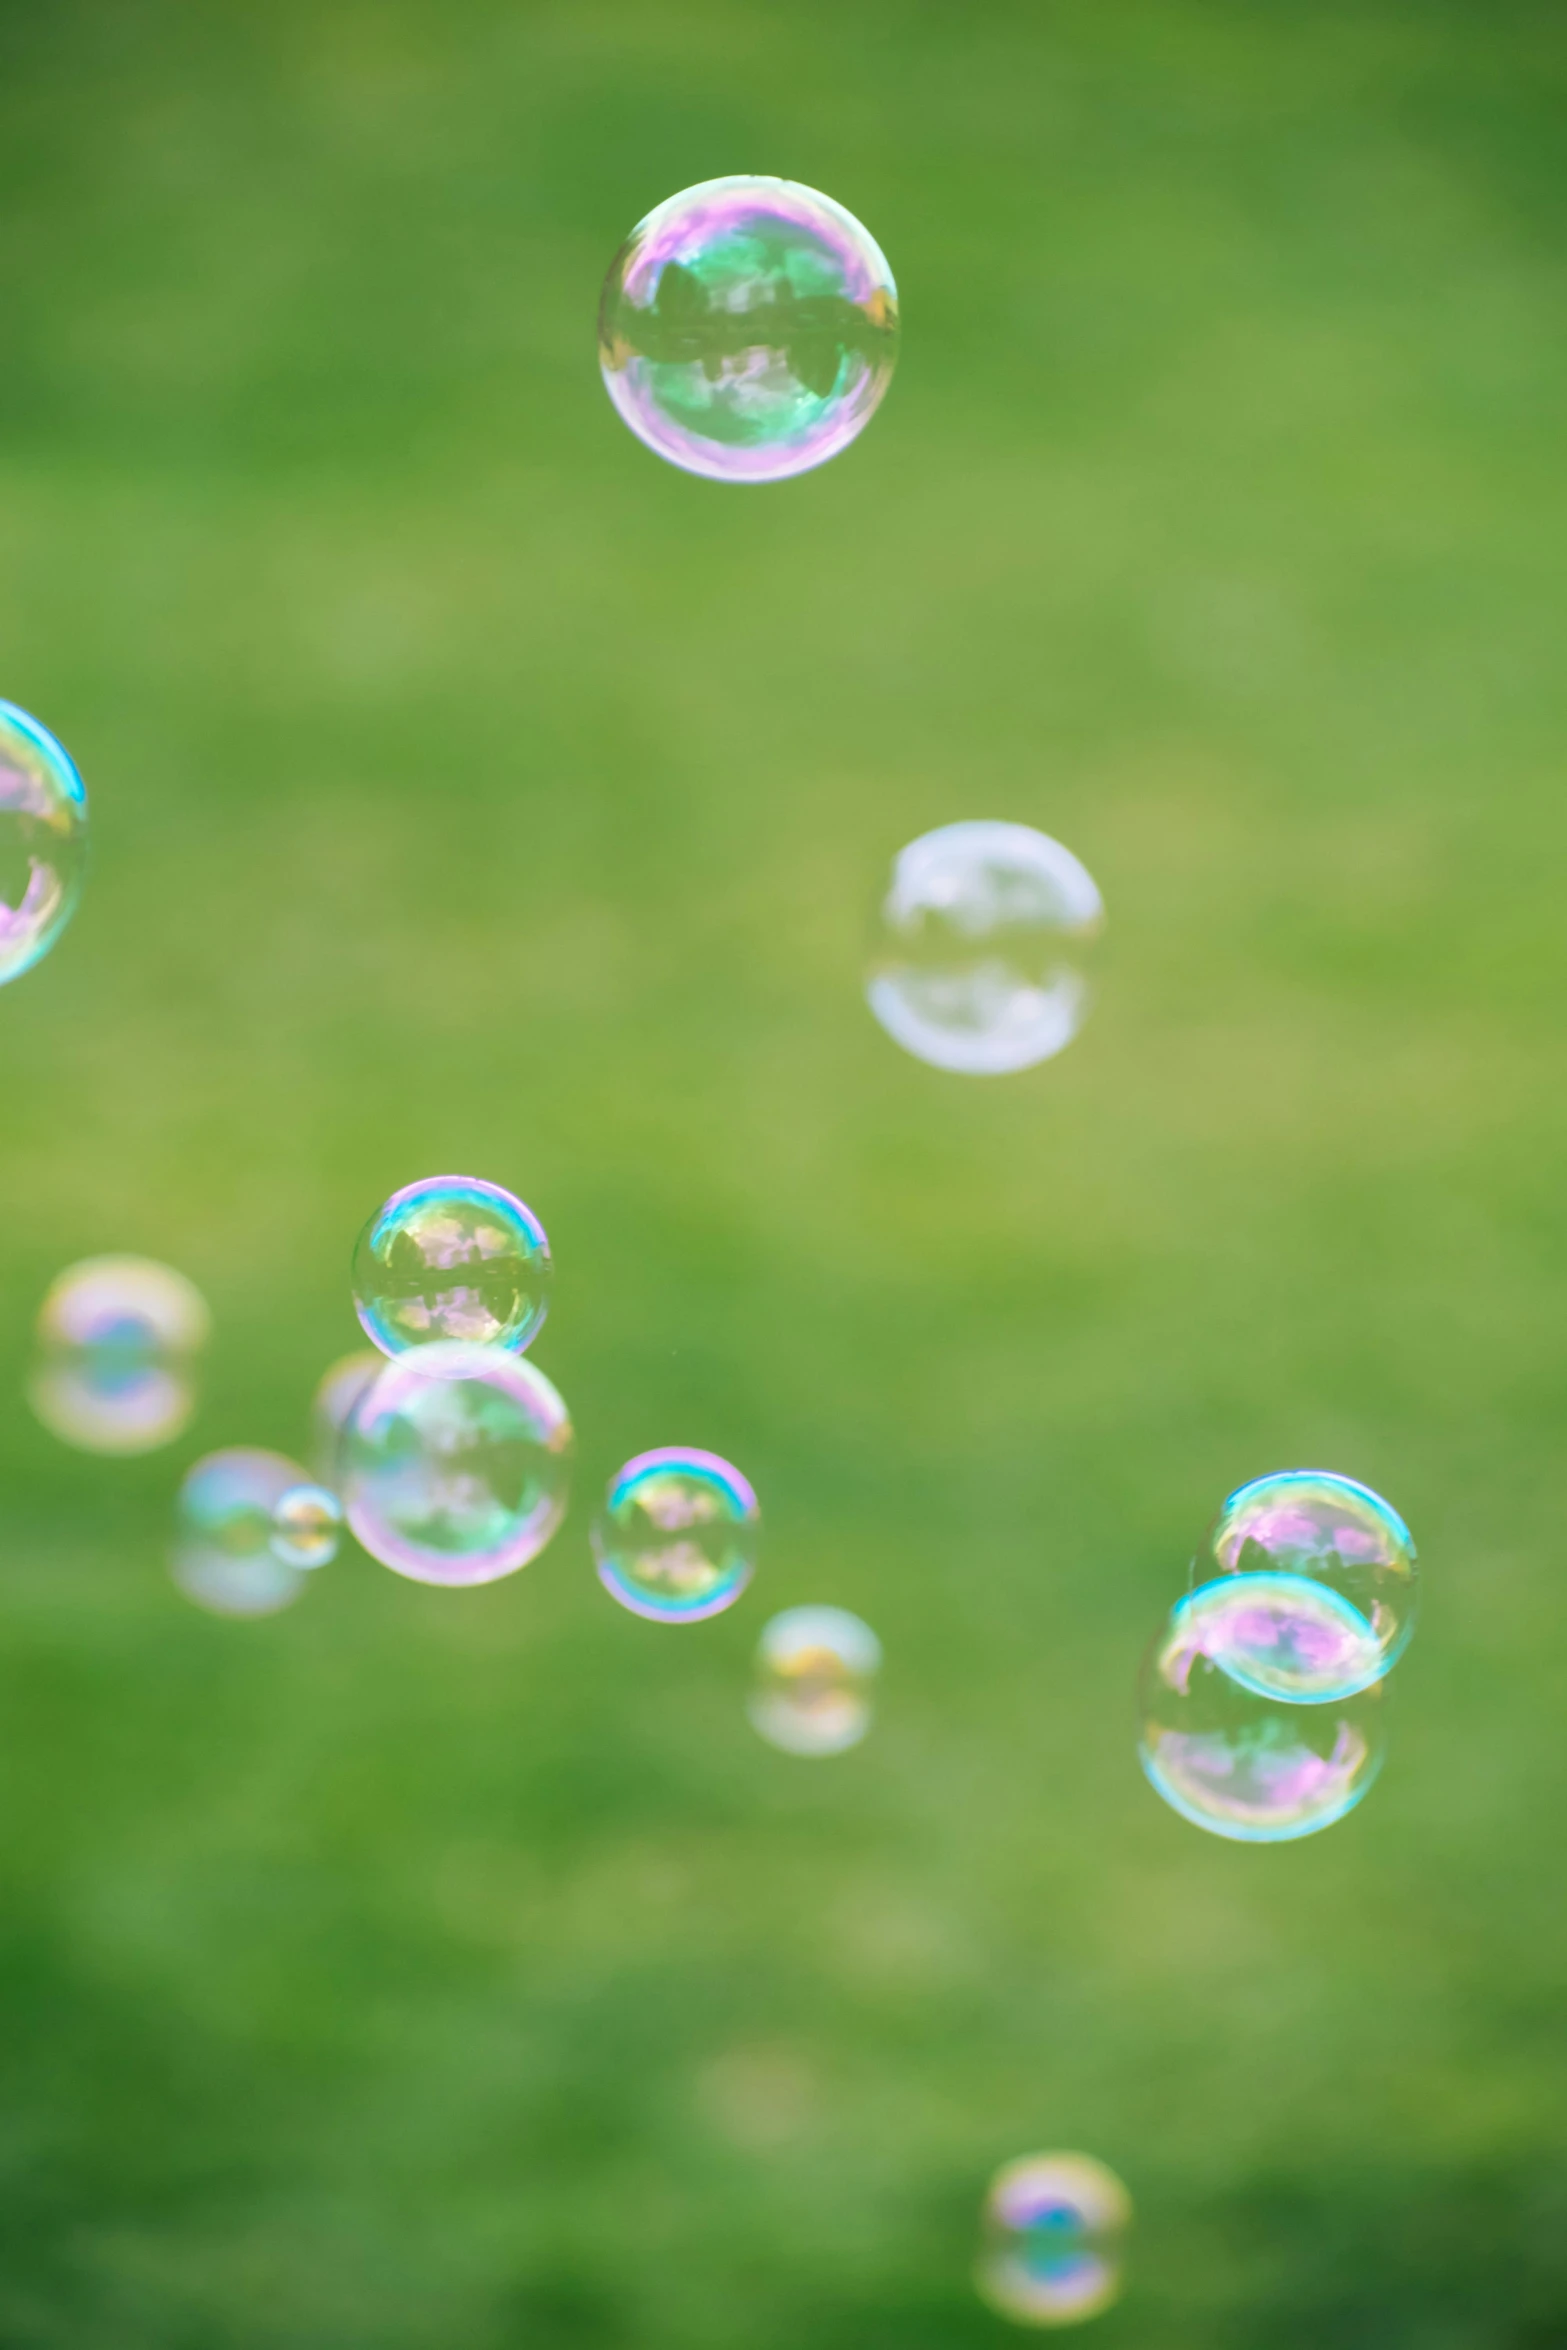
(473, 791)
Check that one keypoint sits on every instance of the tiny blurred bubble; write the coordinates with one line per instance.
(336, 1400)
(118, 1338)
(307, 1526)
(1054, 2225)
(224, 1555)
(815, 1671)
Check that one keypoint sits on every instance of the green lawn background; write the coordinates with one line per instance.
(472, 791)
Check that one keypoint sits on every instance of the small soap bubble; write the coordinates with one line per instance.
(452, 1258)
(307, 1526)
(677, 1536)
(748, 329)
(1308, 1522)
(43, 840)
(224, 1555)
(816, 1668)
(118, 1339)
(978, 963)
(1054, 2227)
(335, 1401)
(1260, 1770)
(456, 1464)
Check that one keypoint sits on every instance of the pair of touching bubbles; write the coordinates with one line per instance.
(1262, 1695)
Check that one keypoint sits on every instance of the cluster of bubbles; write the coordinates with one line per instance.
(1261, 1696)
(1054, 2230)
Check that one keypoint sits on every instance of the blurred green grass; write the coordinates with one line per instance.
(472, 791)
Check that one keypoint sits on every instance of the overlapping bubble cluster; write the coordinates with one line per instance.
(43, 840)
(983, 938)
(1054, 2236)
(118, 1345)
(1261, 1697)
(748, 329)
(677, 1536)
(816, 1671)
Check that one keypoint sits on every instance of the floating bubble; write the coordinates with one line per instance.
(1054, 2229)
(451, 1258)
(307, 1526)
(456, 1464)
(118, 1339)
(43, 840)
(336, 1399)
(983, 935)
(1344, 1537)
(815, 1671)
(676, 1538)
(748, 329)
(224, 1556)
(1257, 1769)
(1285, 1636)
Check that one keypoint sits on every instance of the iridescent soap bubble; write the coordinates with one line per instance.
(118, 1339)
(452, 1258)
(307, 1526)
(456, 1464)
(816, 1670)
(333, 1406)
(748, 329)
(978, 963)
(676, 1538)
(1257, 1769)
(1054, 2228)
(1285, 1636)
(1343, 1536)
(224, 1555)
(43, 840)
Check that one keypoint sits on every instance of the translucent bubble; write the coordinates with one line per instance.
(677, 1536)
(1285, 1636)
(307, 1526)
(118, 1339)
(336, 1398)
(978, 961)
(456, 1464)
(224, 1557)
(452, 1258)
(1343, 1536)
(1257, 1769)
(748, 329)
(815, 1671)
(1054, 2231)
(43, 840)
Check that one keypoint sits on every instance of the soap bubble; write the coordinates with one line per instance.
(307, 1526)
(336, 1399)
(1054, 2226)
(43, 840)
(224, 1556)
(748, 329)
(1285, 1636)
(118, 1339)
(815, 1669)
(456, 1464)
(1343, 1536)
(978, 962)
(1256, 1769)
(676, 1538)
(452, 1258)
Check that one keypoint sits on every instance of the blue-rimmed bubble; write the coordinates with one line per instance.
(1335, 1532)
(43, 840)
(676, 1538)
(224, 1556)
(1256, 1769)
(1054, 2233)
(1284, 1636)
(452, 1258)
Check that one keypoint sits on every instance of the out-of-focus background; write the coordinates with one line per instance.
(473, 791)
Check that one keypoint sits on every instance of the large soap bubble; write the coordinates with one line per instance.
(456, 1464)
(118, 1339)
(676, 1538)
(43, 840)
(1308, 1522)
(978, 963)
(1257, 1769)
(748, 329)
(1054, 2228)
(452, 1258)
(816, 1669)
(225, 1557)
